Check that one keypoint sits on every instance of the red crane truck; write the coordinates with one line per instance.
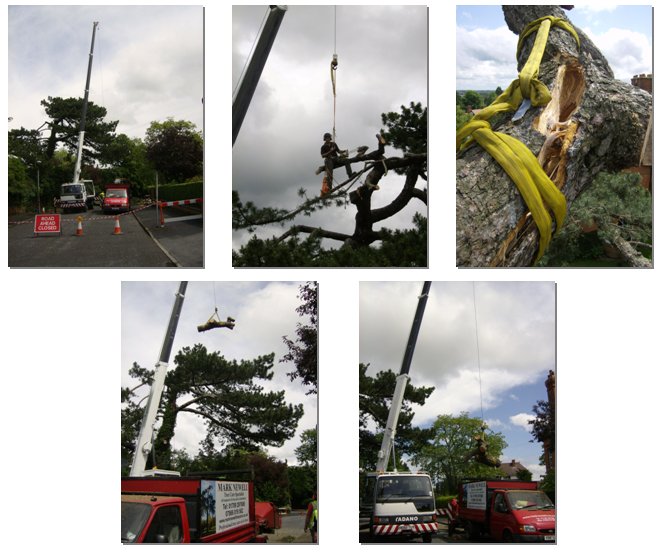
(188, 509)
(506, 510)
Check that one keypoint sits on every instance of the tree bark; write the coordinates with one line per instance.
(593, 122)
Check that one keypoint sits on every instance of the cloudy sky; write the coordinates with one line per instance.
(264, 313)
(486, 48)
(516, 324)
(382, 53)
(148, 62)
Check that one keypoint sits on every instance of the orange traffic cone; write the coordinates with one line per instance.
(79, 227)
(117, 231)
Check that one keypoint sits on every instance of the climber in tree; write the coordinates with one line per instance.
(330, 151)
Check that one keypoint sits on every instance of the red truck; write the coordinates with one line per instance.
(117, 197)
(506, 510)
(188, 509)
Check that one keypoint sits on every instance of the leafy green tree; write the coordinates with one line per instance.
(375, 401)
(524, 475)
(63, 126)
(303, 482)
(175, 148)
(224, 393)
(445, 457)
(621, 211)
(304, 351)
(20, 188)
(471, 100)
(307, 452)
(399, 248)
(26, 145)
(127, 158)
(462, 117)
(270, 476)
(407, 130)
(548, 485)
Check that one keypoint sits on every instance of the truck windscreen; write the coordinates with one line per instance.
(71, 189)
(398, 487)
(134, 516)
(529, 500)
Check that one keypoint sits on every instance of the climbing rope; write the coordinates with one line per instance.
(333, 76)
(536, 188)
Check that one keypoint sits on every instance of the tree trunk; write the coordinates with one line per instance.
(592, 123)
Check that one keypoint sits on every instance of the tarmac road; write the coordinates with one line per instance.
(100, 246)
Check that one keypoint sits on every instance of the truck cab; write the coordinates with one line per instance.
(205, 510)
(399, 504)
(507, 510)
(153, 519)
(77, 196)
(117, 198)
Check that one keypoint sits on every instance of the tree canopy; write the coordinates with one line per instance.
(175, 149)
(225, 394)
(304, 351)
(65, 116)
(445, 456)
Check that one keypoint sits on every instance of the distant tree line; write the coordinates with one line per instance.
(468, 100)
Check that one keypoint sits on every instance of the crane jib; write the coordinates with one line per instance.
(415, 329)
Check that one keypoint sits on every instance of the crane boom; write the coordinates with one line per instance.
(84, 110)
(144, 441)
(247, 86)
(402, 381)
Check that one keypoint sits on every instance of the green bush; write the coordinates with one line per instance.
(177, 192)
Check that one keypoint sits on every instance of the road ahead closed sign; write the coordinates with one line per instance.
(47, 224)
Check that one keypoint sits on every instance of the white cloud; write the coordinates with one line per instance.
(486, 58)
(628, 52)
(522, 420)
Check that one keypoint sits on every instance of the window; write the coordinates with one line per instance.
(166, 526)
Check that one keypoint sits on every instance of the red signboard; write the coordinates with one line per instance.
(47, 224)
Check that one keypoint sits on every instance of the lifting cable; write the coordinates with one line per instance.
(333, 76)
(477, 347)
(536, 188)
(481, 452)
(214, 321)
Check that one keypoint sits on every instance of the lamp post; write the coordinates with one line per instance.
(38, 192)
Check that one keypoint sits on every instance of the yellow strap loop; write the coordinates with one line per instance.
(333, 77)
(536, 188)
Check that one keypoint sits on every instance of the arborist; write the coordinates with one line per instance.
(311, 519)
(330, 151)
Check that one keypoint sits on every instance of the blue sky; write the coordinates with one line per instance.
(516, 327)
(486, 47)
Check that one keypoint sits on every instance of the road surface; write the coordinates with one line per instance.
(100, 244)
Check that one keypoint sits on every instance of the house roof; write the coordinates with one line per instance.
(511, 468)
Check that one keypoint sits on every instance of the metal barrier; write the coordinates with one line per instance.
(163, 204)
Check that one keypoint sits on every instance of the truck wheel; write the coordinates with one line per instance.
(471, 531)
(507, 536)
(426, 537)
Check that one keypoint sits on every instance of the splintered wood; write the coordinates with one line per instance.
(556, 122)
